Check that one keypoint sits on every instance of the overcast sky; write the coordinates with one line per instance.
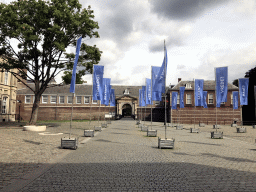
(199, 34)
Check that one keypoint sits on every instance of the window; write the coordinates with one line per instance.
(178, 99)
(188, 86)
(61, 99)
(44, 99)
(157, 102)
(94, 101)
(69, 99)
(231, 95)
(126, 92)
(53, 99)
(188, 99)
(13, 107)
(4, 105)
(78, 99)
(6, 77)
(210, 98)
(28, 99)
(86, 100)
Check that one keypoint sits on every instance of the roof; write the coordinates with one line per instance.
(81, 89)
(208, 85)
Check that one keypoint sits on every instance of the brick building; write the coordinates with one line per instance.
(190, 114)
(56, 103)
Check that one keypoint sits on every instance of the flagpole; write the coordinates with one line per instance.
(164, 89)
(216, 99)
(151, 102)
(71, 116)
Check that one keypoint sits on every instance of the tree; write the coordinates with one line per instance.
(44, 30)
(235, 82)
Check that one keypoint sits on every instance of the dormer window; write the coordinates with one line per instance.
(188, 86)
(126, 92)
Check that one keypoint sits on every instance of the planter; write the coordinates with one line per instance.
(151, 133)
(97, 128)
(89, 133)
(34, 128)
(104, 125)
(144, 128)
(194, 130)
(179, 127)
(216, 135)
(253, 126)
(138, 122)
(201, 125)
(233, 125)
(241, 130)
(108, 122)
(216, 126)
(171, 125)
(69, 143)
(140, 125)
(166, 143)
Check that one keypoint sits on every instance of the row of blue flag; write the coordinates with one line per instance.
(221, 79)
(101, 86)
(155, 86)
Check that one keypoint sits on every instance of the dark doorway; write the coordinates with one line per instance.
(127, 110)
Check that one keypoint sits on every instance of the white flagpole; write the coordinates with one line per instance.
(151, 96)
(165, 62)
(71, 116)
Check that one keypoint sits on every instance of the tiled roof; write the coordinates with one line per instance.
(81, 89)
(208, 85)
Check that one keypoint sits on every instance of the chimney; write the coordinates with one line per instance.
(179, 79)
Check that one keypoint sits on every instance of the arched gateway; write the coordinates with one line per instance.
(126, 105)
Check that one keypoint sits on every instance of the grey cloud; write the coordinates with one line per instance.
(183, 9)
(158, 45)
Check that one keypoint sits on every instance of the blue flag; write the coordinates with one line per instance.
(235, 99)
(156, 87)
(243, 90)
(205, 100)
(73, 80)
(182, 90)
(140, 95)
(148, 91)
(98, 82)
(199, 86)
(174, 100)
(143, 96)
(221, 79)
(162, 74)
(106, 93)
(112, 98)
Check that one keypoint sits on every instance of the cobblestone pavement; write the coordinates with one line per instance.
(122, 158)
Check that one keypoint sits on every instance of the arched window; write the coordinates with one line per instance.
(3, 107)
(6, 77)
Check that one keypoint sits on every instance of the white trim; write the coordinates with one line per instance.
(68, 100)
(190, 99)
(88, 99)
(80, 99)
(28, 97)
(63, 99)
(210, 98)
(46, 96)
(51, 99)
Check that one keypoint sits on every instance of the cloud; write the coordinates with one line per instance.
(183, 9)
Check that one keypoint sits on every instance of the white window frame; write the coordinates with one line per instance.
(178, 99)
(60, 99)
(210, 94)
(85, 101)
(231, 97)
(44, 96)
(53, 99)
(77, 99)
(28, 97)
(188, 99)
(4, 105)
(157, 102)
(93, 101)
(68, 99)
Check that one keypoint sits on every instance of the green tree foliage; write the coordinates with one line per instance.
(235, 82)
(68, 76)
(35, 35)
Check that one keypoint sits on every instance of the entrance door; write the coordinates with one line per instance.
(127, 110)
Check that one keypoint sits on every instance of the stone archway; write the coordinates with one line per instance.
(126, 110)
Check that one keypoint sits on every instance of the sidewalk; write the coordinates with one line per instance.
(121, 158)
